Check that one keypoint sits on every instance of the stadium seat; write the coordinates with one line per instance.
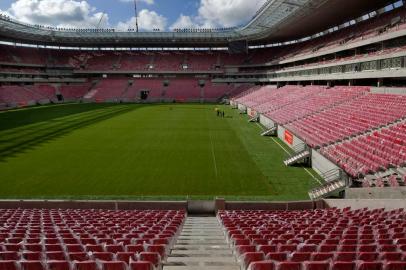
(316, 265)
(337, 265)
(141, 265)
(58, 265)
(114, 265)
(8, 265)
(263, 265)
(32, 265)
(289, 266)
(395, 265)
(249, 257)
(85, 265)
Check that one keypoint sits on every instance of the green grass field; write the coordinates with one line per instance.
(106, 151)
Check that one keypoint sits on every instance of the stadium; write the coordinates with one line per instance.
(267, 141)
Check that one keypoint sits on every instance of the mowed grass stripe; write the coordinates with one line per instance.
(131, 151)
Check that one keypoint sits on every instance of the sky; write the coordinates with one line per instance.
(165, 15)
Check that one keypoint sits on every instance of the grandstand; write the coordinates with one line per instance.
(112, 155)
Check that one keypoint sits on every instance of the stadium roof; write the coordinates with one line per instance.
(277, 21)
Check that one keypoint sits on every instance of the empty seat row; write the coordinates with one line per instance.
(82, 265)
(320, 239)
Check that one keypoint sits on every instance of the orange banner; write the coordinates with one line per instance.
(288, 137)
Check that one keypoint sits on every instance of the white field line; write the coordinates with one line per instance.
(283, 148)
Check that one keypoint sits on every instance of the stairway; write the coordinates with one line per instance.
(201, 245)
(254, 119)
(270, 132)
(91, 94)
(327, 189)
(297, 157)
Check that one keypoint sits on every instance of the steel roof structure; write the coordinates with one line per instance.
(277, 21)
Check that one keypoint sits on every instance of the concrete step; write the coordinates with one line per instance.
(201, 253)
(201, 245)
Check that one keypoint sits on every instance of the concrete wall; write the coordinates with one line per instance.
(242, 108)
(112, 205)
(251, 112)
(281, 135)
(206, 207)
(388, 90)
(376, 193)
(266, 122)
(388, 204)
(322, 165)
(299, 205)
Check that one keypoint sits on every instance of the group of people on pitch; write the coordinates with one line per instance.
(220, 113)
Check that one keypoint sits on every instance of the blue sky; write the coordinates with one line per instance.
(162, 14)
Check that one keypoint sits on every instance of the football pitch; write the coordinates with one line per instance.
(130, 151)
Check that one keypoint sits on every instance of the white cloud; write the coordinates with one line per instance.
(147, 20)
(184, 22)
(79, 13)
(60, 13)
(220, 13)
(148, 2)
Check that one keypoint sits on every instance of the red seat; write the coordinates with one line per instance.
(33, 247)
(161, 241)
(369, 266)
(58, 265)
(8, 265)
(114, 248)
(152, 257)
(300, 256)
(116, 265)
(258, 242)
(85, 265)
(346, 256)
(400, 265)
(32, 256)
(328, 248)
(78, 256)
(245, 248)
(266, 249)
(32, 265)
(289, 248)
(94, 248)
(262, 265)
(322, 256)
(141, 265)
(12, 247)
(308, 248)
(277, 256)
(336, 265)
(391, 256)
(9, 255)
(367, 248)
(250, 257)
(316, 265)
(135, 248)
(104, 256)
(289, 266)
(368, 256)
(348, 248)
(74, 248)
(125, 256)
(55, 255)
(161, 249)
(388, 248)
(242, 242)
(53, 247)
